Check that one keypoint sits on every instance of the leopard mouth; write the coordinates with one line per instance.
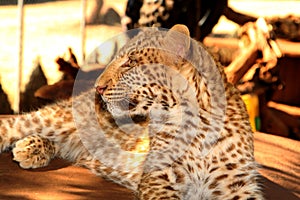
(101, 89)
(123, 105)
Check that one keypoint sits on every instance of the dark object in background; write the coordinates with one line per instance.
(199, 15)
(133, 12)
(286, 27)
(67, 68)
(28, 102)
(99, 14)
(62, 89)
(4, 103)
(72, 74)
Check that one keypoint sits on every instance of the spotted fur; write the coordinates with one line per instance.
(164, 122)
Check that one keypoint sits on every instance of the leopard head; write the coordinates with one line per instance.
(137, 74)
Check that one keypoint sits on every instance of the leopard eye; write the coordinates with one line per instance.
(133, 63)
(126, 64)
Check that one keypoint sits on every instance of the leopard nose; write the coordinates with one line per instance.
(101, 89)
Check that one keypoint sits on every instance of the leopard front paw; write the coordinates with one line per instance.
(33, 152)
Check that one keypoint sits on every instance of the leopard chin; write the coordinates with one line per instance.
(100, 103)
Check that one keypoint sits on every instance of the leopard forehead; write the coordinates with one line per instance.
(146, 38)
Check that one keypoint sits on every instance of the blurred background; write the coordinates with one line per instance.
(69, 29)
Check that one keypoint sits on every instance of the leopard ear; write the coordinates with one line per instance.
(178, 39)
(181, 28)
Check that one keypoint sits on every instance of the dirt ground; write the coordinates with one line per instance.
(59, 181)
(62, 181)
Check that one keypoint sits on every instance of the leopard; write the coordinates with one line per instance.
(161, 120)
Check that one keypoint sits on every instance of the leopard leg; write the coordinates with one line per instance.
(34, 152)
(158, 185)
